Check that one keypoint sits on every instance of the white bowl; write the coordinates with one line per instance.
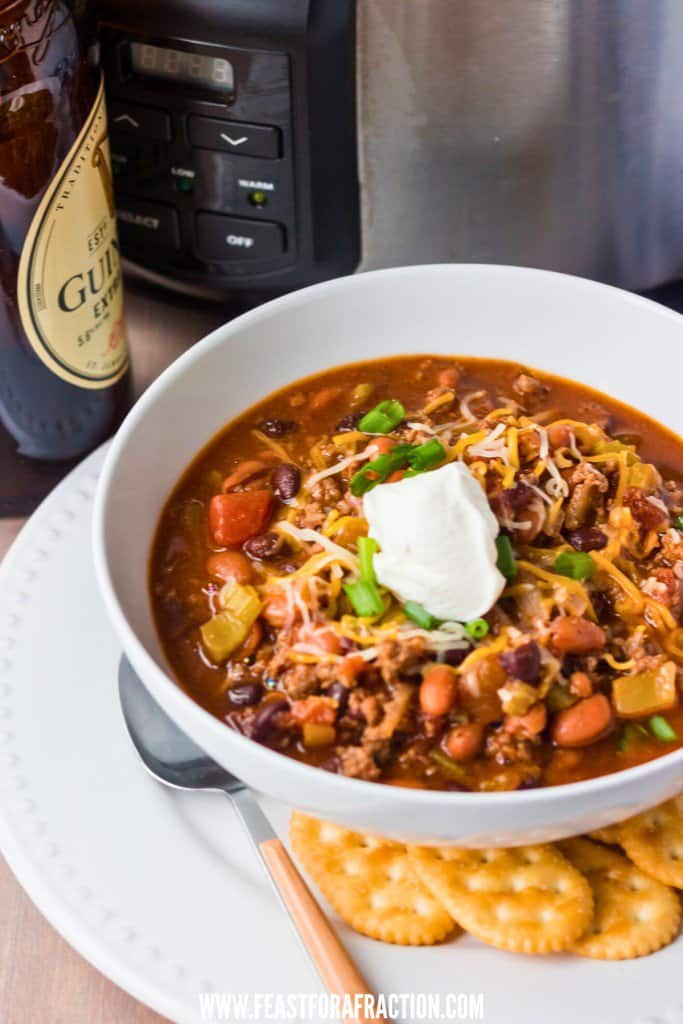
(598, 335)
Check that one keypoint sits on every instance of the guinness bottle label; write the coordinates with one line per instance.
(69, 281)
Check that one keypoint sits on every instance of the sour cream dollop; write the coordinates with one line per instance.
(436, 534)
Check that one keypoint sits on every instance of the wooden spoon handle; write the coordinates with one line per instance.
(335, 966)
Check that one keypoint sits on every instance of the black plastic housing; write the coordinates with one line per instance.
(295, 70)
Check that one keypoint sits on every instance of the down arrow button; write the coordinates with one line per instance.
(235, 137)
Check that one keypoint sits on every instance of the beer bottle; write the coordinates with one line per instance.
(63, 353)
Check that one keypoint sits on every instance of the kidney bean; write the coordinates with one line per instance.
(286, 481)
(524, 662)
(573, 635)
(463, 742)
(585, 722)
(246, 695)
(337, 691)
(278, 428)
(264, 719)
(518, 497)
(587, 538)
(266, 545)
(438, 690)
(230, 565)
(455, 656)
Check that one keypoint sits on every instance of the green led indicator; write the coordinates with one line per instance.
(184, 184)
(258, 198)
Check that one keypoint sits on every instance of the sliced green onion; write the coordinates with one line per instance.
(425, 456)
(577, 565)
(679, 522)
(383, 418)
(631, 735)
(661, 730)
(366, 550)
(379, 469)
(477, 628)
(448, 766)
(419, 615)
(371, 474)
(364, 597)
(506, 558)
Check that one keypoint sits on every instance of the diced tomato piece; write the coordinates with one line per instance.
(320, 710)
(235, 517)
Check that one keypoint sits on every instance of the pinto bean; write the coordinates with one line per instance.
(325, 397)
(380, 446)
(448, 378)
(585, 722)
(286, 481)
(478, 688)
(463, 742)
(530, 724)
(524, 662)
(229, 565)
(580, 684)
(573, 635)
(276, 608)
(559, 435)
(438, 690)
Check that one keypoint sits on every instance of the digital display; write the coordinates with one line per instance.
(182, 66)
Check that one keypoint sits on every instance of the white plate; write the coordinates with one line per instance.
(160, 890)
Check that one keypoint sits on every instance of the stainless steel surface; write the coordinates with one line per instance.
(546, 133)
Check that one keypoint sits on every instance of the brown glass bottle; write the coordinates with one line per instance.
(63, 357)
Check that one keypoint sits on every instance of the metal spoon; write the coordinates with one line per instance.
(173, 758)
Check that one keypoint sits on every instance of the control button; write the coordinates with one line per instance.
(143, 223)
(235, 137)
(131, 118)
(230, 238)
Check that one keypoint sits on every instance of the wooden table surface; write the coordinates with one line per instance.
(41, 977)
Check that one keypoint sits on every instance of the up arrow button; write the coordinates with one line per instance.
(237, 137)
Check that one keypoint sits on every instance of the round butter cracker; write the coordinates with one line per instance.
(654, 841)
(527, 899)
(370, 882)
(634, 913)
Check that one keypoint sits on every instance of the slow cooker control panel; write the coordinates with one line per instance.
(202, 157)
(233, 136)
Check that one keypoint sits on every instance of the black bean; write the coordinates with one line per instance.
(587, 538)
(278, 428)
(523, 662)
(246, 695)
(529, 783)
(455, 656)
(602, 603)
(337, 691)
(349, 422)
(265, 545)
(286, 481)
(264, 719)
